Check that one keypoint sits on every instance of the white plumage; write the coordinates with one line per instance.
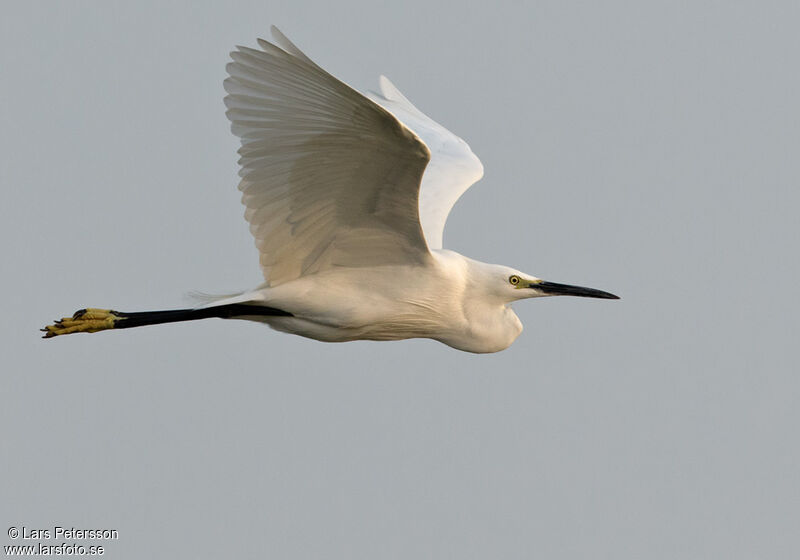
(347, 197)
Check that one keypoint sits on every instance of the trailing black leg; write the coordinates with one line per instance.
(94, 320)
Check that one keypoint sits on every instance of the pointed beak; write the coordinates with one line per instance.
(555, 289)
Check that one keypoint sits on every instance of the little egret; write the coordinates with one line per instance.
(347, 196)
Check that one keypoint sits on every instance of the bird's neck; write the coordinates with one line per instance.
(488, 324)
(492, 327)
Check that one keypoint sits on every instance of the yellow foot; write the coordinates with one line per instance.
(84, 320)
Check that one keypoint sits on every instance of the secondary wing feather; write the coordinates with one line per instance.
(329, 178)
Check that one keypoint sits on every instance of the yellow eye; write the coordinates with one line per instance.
(514, 280)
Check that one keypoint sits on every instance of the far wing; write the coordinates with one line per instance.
(329, 178)
(453, 167)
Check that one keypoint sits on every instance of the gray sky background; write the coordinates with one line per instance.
(645, 148)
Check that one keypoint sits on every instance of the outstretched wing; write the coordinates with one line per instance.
(329, 178)
(453, 167)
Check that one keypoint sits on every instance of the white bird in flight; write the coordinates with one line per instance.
(347, 196)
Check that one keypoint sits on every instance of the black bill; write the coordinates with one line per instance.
(555, 289)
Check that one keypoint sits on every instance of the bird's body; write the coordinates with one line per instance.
(347, 197)
(442, 299)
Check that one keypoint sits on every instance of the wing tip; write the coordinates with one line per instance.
(287, 45)
(389, 90)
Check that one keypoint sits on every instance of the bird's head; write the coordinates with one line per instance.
(511, 285)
